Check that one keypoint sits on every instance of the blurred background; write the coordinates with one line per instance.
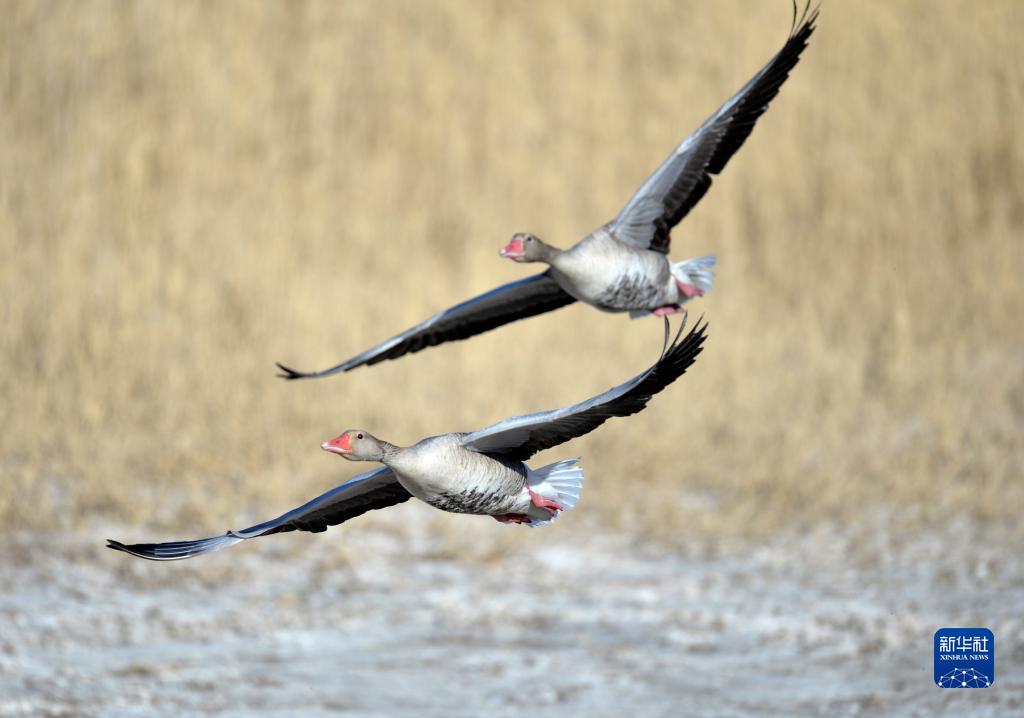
(192, 191)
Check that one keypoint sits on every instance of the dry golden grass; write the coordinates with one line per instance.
(190, 191)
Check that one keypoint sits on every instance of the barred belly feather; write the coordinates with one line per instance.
(491, 495)
(631, 291)
(472, 501)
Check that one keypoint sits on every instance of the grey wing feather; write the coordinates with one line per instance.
(375, 489)
(522, 436)
(509, 302)
(684, 177)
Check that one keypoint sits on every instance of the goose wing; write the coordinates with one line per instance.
(375, 489)
(682, 179)
(523, 436)
(509, 302)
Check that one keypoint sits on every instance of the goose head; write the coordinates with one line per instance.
(525, 247)
(356, 445)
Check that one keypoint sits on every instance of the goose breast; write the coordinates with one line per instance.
(614, 277)
(443, 473)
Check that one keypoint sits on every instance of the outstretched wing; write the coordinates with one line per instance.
(509, 302)
(375, 489)
(682, 179)
(523, 436)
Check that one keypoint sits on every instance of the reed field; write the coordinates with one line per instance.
(191, 191)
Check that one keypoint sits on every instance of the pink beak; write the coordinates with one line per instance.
(513, 250)
(339, 445)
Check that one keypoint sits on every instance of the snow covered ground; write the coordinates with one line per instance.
(293, 626)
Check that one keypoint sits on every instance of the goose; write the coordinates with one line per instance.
(480, 472)
(623, 266)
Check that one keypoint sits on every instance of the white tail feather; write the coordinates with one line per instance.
(561, 482)
(696, 272)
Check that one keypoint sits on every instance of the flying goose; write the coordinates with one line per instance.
(624, 265)
(480, 472)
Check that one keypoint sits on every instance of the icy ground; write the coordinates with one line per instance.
(569, 625)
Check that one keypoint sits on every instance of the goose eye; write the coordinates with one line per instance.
(359, 436)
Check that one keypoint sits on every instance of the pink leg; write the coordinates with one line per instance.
(541, 503)
(689, 290)
(667, 310)
(512, 518)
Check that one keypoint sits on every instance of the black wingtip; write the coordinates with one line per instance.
(125, 548)
(805, 21)
(683, 352)
(289, 373)
(696, 335)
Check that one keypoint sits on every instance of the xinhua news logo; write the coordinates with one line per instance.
(965, 658)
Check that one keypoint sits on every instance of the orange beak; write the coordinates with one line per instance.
(339, 445)
(513, 250)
